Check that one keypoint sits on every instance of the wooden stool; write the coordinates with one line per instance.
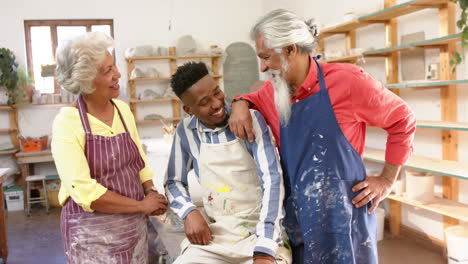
(30, 200)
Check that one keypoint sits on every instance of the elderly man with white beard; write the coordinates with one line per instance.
(318, 113)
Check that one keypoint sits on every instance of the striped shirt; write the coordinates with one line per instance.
(184, 157)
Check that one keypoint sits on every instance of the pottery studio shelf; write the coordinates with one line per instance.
(381, 16)
(7, 130)
(425, 84)
(162, 78)
(442, 125)
(440, 167)
(425, 44)
(350, 58)
(161, 99)
(152, 121)
(173, 61)
(438, 205)
(383, 52)
(8, 152)
(188, 57)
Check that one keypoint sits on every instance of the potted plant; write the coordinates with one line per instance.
(25, 87)
(462, 24)
(8, 73)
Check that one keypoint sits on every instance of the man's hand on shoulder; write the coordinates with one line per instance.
(240, 120)
(196, 229)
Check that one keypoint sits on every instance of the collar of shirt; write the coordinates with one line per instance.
(307, 88)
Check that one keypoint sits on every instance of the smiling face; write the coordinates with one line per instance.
(205, 100)
(280, 73)
(106, 83)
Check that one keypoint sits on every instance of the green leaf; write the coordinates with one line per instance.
(457, 57)
(460, 24)
(463, 4)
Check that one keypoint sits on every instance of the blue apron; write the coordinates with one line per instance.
(321, 167)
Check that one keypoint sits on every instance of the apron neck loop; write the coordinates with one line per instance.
(320, 76)
(84, 117)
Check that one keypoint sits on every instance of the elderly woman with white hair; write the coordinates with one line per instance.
(106, 186)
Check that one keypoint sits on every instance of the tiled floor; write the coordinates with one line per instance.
(36, 240)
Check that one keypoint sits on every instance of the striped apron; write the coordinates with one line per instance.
(97, 237)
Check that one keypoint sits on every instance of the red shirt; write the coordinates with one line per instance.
(358, 100)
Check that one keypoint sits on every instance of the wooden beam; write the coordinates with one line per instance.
(173, 61)
(391, 63)
(320, 46)
(214, 64)
(13, 114)
(448, 97)
(131, 87)
(395, 217)
(391, 40)
(350, 40)
(173, 68)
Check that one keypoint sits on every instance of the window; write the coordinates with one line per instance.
(44, 36)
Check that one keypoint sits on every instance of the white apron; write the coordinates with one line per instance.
(232, 199)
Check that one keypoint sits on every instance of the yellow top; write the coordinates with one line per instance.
(68, 142)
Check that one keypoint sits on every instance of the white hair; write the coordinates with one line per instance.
(281, 28)
(79, 59)
(281, 91)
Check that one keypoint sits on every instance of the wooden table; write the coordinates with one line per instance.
(3, 238)
(27, 160)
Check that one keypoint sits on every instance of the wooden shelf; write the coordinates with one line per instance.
(8, 130)
(349, 58)
(425, 84)
(6, 107)
(8, 152)
(163, 99)
(440, 167)
(444, 125)
(131, 59)
(381, 16)
(430, 43)
(401, 10)
(150, 79)
(163, 78)
(342, 28)
(34, 157)
(152, 121)
(54, 104)
(197, 57)
(441, 206)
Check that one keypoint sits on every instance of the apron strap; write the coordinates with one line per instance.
(84, 117)
(323, 86)
(120, 115)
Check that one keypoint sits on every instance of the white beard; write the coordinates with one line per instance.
(282, 96)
